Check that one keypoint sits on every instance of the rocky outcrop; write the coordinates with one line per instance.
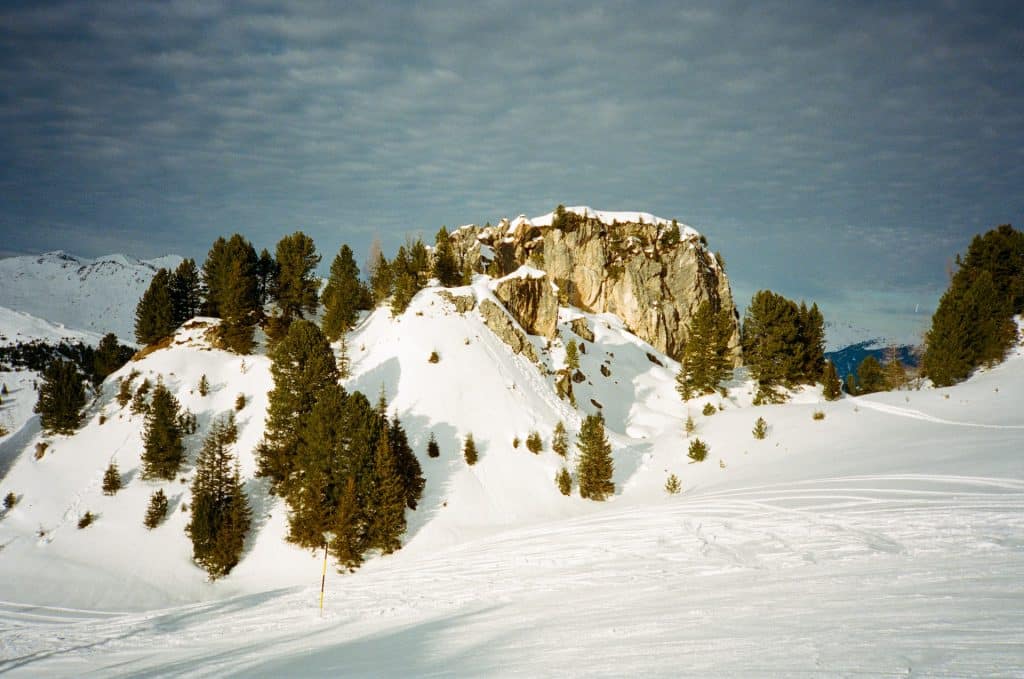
(498, 320)
(580, 327)
(531, 300)
(651, 275)
(462, 303)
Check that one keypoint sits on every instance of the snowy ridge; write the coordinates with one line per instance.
(98, 295)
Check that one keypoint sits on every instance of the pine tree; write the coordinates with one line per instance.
(303, 365)
(772, 347)
(446, 270)
(432, 448)
(833, 389)
(163, 452)
(342, 296)
(560, 440)
(404, 285)
(572, 355)
(230, 276)
(109, 357)
(186, 292)
(214, 274)
(266, 276)
(672, 485)
(469, 450)
(812, 343)
(348, 543)
(220, 511)
(154, 315)
(61, 398)
(344, 363)
(698, 450)
(595, 466)
(157, 509)
(204, 385)
(851, 384)
(705, 362)
(564, 481)
(534, 443)
(295, 287)
(870, 377)
(895, 373)
(139, 404)
(760, 429)
(406, 464)
(387, 521)
(111, 479)
(378, 270)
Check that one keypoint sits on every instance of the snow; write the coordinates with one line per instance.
(886, 539)
(98, 295)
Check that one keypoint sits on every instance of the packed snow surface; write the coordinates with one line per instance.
(98, 295)
(886, 539)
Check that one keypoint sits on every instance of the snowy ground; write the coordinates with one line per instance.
(885, 540)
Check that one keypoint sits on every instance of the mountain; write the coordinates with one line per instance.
(95, 295)
(849, 358)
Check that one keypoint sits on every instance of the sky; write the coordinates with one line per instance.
(841, 153)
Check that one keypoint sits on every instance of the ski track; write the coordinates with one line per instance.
(911, 413)
(713, 572)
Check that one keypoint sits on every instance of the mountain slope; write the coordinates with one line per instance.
(95, 295)
(901, 512)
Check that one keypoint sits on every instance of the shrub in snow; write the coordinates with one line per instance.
(164, 451)
(10, 500)
(239, 401)
(469, 450)
(818, 415)
(434, 358)
(86, 520)
(204, 386)
(698, 450)
(760, 429)
(61, 398)
(534, 443)
(432, 448)
(709, 410)
(596, 466)
(691, 426)
(559, 440)
(515, 442)
(672, 485)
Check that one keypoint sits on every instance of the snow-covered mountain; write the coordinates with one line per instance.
(95, 295)
(901, 512)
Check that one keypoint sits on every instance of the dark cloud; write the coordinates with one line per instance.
(831, 152)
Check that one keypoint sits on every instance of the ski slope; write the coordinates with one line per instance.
(886, 539)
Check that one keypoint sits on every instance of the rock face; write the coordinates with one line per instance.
(501, 325)
(652, 275)
(531, 300)
(462, 303)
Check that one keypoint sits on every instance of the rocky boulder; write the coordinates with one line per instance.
(530, 298)
(502, 325)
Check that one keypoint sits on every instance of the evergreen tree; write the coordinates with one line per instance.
(446, 270)
(343, 295)
(186, 292)
(672, 485)
(406, 464)
(812, 343)
(163, 452)
(154, 315)
(404, 285)
(387, 521)
(266, 276)
(560, 440)
(572, 355)
(215, 270)
(851, 384)
(469, 450)
(379, 272)
(111, 479)
(348, 544)
(432, 448)
(231, 281)
(344, 363)
(698, 450)
(760, 429)
(534, 443)
(303, 365)
(870, 377)
(109, 357)
(295, 287)
(419, 262)
(564, 481)
(595, 466)
(895, 373)
(61, 398)
(705, 362)
(157, 509)
(771, 343)
(830, 378)
(220, 511)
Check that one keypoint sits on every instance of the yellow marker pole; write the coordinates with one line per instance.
(323, 580)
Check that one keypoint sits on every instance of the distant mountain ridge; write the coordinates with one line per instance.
(95, 295)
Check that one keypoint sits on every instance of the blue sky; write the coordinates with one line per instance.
(837, 152)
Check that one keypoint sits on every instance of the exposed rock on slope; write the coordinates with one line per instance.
(531, 300)
(632, 265)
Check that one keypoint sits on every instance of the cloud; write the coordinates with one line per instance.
(823, 149)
